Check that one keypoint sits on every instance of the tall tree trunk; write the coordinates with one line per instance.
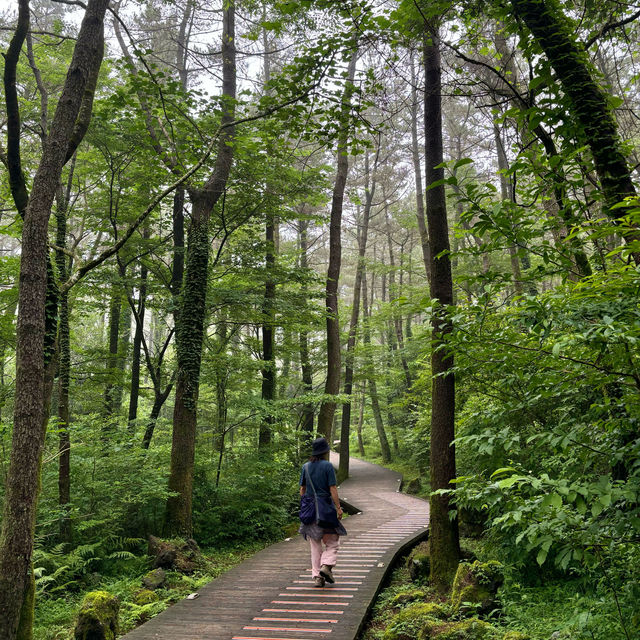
(345, 427)
(191, 317)
(589, 105)
(363, 395)
(396, 332)
(64, 364)
(112, 373)
(33, 352)
(134, 392)
(332, 384)
(268, 394)
(417, 172)
(305, 362)
(371, 375)
(177, 271)
(560, 207)
(444, 541)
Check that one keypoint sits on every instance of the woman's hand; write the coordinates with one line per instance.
(339, 510)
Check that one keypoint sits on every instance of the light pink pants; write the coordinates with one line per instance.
(330, 554)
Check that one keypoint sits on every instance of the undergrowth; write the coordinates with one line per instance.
(56, 613)
(555, 607)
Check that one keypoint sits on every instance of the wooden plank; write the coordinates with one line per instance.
(270, 595)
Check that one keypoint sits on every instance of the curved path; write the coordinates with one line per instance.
(271, 596)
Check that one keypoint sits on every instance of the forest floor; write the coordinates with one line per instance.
(558, 609)
(56, 615)
(540, 605)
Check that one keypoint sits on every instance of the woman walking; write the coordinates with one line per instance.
(318, 479)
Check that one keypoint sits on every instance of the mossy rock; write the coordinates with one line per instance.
(406, 624)
(413, 486)
(144, 596)
(405, 597)
(515, 635)
(178, 555)
(98, 617)
(472, 629)
(419, 563)
(475, 587)
(155, 579)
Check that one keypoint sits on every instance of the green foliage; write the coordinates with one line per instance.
(548, 443)
(59, 571)
(473, 629)
(256, 498)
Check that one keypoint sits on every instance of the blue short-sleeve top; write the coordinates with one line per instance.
(322, 475)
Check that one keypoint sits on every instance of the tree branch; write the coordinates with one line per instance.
(610, 26)
(17, 181)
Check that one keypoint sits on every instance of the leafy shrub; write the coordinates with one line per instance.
(255, 499)
(548, 441)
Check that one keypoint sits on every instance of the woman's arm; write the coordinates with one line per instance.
(303, 490)
(336, 500)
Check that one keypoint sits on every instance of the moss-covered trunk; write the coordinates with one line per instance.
(443, 536)
(37, 304)
(589, 105)
(190, 318)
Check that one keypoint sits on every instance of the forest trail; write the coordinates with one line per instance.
(270, 596)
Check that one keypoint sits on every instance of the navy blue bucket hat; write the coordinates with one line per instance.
(320, 447)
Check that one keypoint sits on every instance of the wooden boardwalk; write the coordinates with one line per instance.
(271, 595)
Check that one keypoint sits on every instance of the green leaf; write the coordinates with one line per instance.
(552, 500)
(462, 162)
(542, 556)
(502, 470)
(508, 482)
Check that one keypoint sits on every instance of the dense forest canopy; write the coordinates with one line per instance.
(410, 226)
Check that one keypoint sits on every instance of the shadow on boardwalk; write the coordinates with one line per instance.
(271, 595)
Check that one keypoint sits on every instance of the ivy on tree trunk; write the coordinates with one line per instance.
(36, 302)
(191, 316)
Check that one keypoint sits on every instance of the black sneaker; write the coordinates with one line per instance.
(325, 572)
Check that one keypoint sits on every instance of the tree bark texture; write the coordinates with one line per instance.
(332, 384)
(268, 339)
(112, 373)
(18, 522)
(191, 316)
(64, 372)
(134, 390)
(445, 549)
(363, 395)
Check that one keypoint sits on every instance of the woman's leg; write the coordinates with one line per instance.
(316, 556)
(330, 554)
